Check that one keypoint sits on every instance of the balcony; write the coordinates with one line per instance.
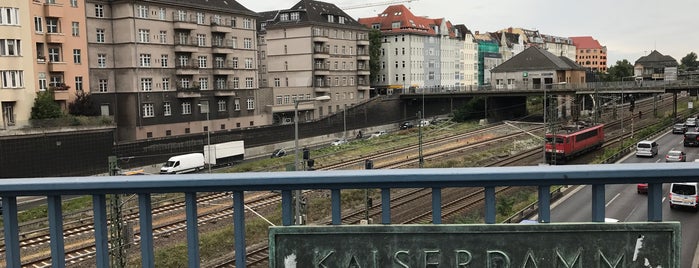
(188, 92)
(321, 53)
(362, 40)
(54, 10)
(55, 38)
(224, 68)
(222, 46)
(60, 92)
(187, 69)
(41, 59)
(188, 44)
(221, 26)
(226, 91)
(187, 22)
(57, 66)
(321, 87)
(321, 69)
(320, 37)
(363, 70)
(362, 85)
(363, 55)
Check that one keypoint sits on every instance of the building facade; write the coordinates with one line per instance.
(170, 67)
(488, 56)
(655, 66)
(468, 57)
(310, 50)
(590, 54)
(415, 51)
(17, 59)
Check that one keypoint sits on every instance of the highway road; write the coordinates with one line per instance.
(625, 204)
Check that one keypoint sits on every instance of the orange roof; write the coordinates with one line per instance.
(409, 23)
(585, 42)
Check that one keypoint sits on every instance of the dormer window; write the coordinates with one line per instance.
(395, 24)
(376, 26)
(331, 18)
(295, 16)
(341, 20)
(284, 17)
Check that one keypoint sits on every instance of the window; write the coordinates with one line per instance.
(236, 104)
(100, 36)
(395, 24)
(295, 16)
(162, 13)
(163, 60)
(8, 113)
(12, 79)
(341, 20)
(203, 83)
(146, 84)
(247, 43)
(235, 62)
(73, 3)
(10, 47)
(186, 107)
(200, 18)
(168, 132)
(99, 11)
(201, 40)
(166, 83)
(54, 54)
(144, 60)
(9, 15)
(42, 82)
(331, 18)
(76, 56)
(284, 17)
(248, 82)
(236, 82)
(279, 100)
(143, 35)
(102, 85)
(142, 11)
(248, 63)
(75, 28)
(247, 23)
(38, 24)
(101, 60)
(184, 82)
(167, 109)
(277, 82)
(221, 105)
(52, 25)
(251, 103)
(201, 60)
(148, 110)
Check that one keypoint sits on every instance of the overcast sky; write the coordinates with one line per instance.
(629, 28)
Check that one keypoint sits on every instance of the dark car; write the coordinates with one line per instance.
(691, 138)
(679, 128)
(642, 188)
(406, 125)
(278, 153)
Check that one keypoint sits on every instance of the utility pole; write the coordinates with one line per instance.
(421, 161)
(117, 241)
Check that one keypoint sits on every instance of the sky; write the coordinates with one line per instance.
(629, 29)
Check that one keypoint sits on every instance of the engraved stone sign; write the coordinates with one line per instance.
(606, 245)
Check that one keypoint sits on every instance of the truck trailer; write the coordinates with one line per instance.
(224, 154)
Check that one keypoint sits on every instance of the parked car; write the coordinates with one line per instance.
(377, 134)
(424, 123)
(278, 153)
(679, 128)
(676, 156)
(338, 142)
(406, 125)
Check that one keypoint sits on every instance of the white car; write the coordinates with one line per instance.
(424, 123)
(338, 142)
(377, 134)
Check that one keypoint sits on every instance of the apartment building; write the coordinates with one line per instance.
(557, 45)
(310, 50)
(17, 86)
(468, 57)
(415, 51)
(165, 68)
(489, 56)
(590, 54)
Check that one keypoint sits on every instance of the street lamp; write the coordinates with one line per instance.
(297, 163)
(208, 133)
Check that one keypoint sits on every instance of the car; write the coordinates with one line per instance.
(642, 188)
(338, 142)
(691, 122)
(424, 123)
(679, 128)
(676, 156)
(377, 134)
(406, 125)
(691, 138)
(278, 153)
(683, 194)
(646, 148)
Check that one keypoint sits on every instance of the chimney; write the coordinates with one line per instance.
(477, 32)
(509, 30)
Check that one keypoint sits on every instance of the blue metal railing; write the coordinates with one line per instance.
(98, 187)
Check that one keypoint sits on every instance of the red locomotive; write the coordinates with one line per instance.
(573, 142)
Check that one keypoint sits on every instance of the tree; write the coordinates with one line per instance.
(45, 107)
(689, 62)
(83, 105)
(473, 109)
(374, 53)
(622, 68)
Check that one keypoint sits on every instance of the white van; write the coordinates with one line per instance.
(646, 148)
(684, 194)
(183, 164)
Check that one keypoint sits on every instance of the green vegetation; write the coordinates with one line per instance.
(45, 107)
